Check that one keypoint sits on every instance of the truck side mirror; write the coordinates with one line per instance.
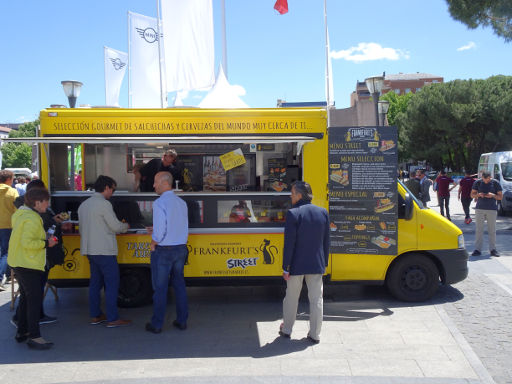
(409, 206)
(405, 206)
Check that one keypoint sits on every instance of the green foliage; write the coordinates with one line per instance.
(494, 13)
(397, 108)
(451, 124)
(16, 155)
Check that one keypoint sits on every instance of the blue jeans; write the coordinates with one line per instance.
(168, 262)
(104, 272)
(5, 235)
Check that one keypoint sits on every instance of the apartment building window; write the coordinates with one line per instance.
(397, 91)
(407, 90)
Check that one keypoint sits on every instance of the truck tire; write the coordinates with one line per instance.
(134, 287)
(413, 277)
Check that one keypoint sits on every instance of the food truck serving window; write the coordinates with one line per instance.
(216, 167)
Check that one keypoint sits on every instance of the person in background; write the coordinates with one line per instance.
(98, 227)
(78, 181)
(443, 190)
(169, 253)
(54, 255)
(413, 185)
(137, 177)
(27, 257)
(7, 197)
(168, 163)
(305, 257)
(488, 192)
(425, 184)
(21, 186)
(464, 195)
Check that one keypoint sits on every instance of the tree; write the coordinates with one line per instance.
(397, 107)
(19, 155)
(494, 13)
(452, 124)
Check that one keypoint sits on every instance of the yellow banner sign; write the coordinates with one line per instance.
(232, 159)
(215, 255)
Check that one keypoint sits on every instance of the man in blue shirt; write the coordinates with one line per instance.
(168, 253)
(488, 192)
(305, 256)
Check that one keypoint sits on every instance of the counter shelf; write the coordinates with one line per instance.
(209, 212)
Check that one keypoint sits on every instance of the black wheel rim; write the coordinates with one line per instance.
(414, 279)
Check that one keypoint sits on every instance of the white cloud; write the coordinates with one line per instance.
(238, 90)
(470, 45)
(369, 52)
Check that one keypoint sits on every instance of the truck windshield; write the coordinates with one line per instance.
(506, 170)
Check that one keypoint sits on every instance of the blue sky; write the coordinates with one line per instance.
(271, 56)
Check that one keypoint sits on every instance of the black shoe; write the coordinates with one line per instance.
(495, 253)
(476, 252)
(150, 328)
(40, 346)
(178, 325)
(314, 341)
(21, 338)
(47, 320)
(285, 335)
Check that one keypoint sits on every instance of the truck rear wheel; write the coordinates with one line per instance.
(413, 277)
(134, 287)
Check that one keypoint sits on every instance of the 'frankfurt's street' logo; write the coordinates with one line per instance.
(117, 63)
(148, 34)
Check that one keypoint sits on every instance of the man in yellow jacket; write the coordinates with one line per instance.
(7, 196)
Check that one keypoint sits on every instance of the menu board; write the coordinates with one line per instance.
(363, 163)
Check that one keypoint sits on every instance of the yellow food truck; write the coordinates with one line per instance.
(237, 168)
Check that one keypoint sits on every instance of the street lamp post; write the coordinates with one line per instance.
(383, 110)
(72, 91)
(374, 85)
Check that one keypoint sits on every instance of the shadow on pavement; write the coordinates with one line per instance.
(224, 322)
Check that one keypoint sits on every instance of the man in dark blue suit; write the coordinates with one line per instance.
(305, 256)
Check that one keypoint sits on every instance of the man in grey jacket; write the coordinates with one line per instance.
(425, 184)
(98, 228)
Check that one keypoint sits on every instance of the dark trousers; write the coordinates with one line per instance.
(466, 202)
(44, 280)
(31, 297)
(444, 201)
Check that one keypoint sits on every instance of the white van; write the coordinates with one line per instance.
(20, 171)
(499, 165)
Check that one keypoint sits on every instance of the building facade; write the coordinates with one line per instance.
(400, 83)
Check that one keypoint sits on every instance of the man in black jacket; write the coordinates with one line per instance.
(168, 163)
(305, 256)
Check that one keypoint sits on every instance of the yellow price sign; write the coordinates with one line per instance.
(232, 159)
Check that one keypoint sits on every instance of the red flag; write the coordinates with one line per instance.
(281, 6)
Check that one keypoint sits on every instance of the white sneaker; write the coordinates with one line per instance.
(4, 279)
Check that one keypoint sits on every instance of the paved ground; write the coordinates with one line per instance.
(463, 335)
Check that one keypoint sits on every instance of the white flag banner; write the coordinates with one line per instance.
(189, 50)
(144, 74)
(115, 68)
